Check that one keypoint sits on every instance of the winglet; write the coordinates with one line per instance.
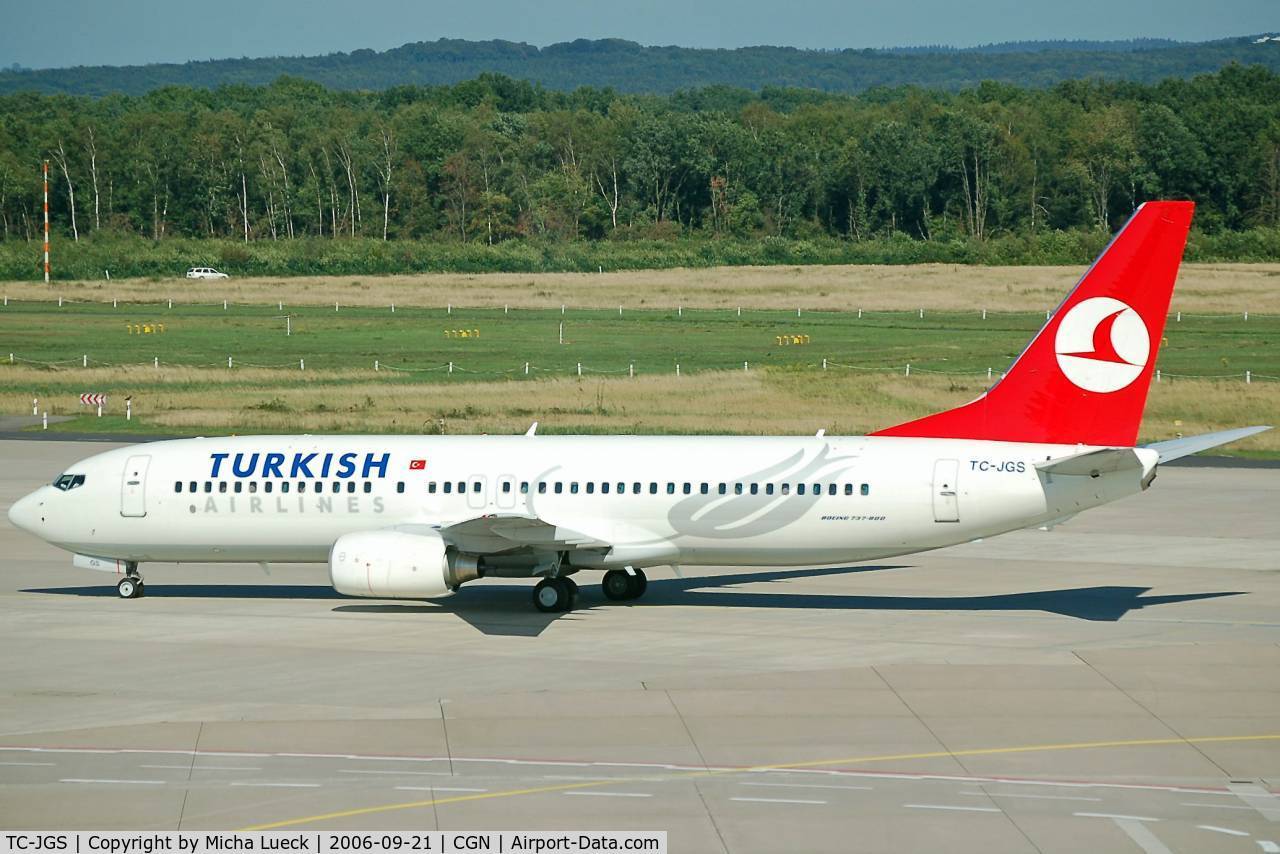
(533, 429)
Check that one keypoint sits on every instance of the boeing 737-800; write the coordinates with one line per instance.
(417, 516)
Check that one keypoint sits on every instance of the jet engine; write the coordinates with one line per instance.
(398, 565)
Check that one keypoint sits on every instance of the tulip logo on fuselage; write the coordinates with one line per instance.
(1102, 344)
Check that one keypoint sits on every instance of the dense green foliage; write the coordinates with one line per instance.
(630, 67)
(501, 174)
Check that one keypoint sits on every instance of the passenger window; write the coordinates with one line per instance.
(506, 486)
(573, 488)
(266, 486)
(284, 486)
(475, 486)
(848, 489)
(448, 486)
(687, 488)
(786, 488)
(737, 489)
(302, 486)
(866, 489)
(703, 489)
(831, 489)
(768, 489)
(238, 487)
(399, 486)
(337, 487)
(653, 488)
(177, 485)
(351, 486)
(542, 487)
(799, 489)
(722, 489)
(622, 487)
(431, 486)
(604, 488)
(817, 489)
(253, 486)
(559, 487)
(368, 486)
(755, 489)
(192, 486)
(671, 488)
(524, 487)
(462, 486)
(591, 487)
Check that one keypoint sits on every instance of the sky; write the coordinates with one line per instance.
(58, 33)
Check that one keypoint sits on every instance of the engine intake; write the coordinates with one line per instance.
(398, 565)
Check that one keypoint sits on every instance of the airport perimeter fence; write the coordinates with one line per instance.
(530, 370)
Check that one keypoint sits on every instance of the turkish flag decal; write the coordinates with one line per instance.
(417, 465)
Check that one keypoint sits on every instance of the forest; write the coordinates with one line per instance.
(641, 69)
(495, 160)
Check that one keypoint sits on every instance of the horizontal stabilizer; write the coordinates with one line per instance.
(1174, 449)
(1093, 463)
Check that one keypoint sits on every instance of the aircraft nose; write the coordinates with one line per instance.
(26, 513)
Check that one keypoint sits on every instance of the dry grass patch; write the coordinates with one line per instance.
(1209, 288)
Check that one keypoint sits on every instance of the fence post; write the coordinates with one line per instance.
(375, 366)
(170, 303)
(128, 409)
(393, 308)
(619, 311)
(746, 366)
(449, 308)
(1046, 314)
(908, 369)
(114, 302)
(677, 369)
(280, 305)
(35, 406)
(156, 361)
(1179, 320)
(631, 369)
(224, 305)
(451, 367)
(228, 361)
(44, 420)
(824, 364)
(922, 314)
(335, 306)
(506, 309)
(99, 410)
(561, 308)
(859, 314)
(84, 361)
(302, 364)
(797, 312)
(59, 302)
(679, 311)
(526, 369)
(739, 308)
(1248, 377)
(984, 314)
(1246, 316)
(579, 369)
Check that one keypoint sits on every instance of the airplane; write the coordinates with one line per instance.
(416, 517)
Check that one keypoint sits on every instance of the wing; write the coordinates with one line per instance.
(508, 532)
(1173, 449)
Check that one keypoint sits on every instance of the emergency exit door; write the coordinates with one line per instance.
(133, 486)
(946, 505)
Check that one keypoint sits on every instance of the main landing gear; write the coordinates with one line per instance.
(131, 586)
(552, 595)
(620, 585)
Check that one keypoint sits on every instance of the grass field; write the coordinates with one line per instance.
(1206, 288)
(783, 390)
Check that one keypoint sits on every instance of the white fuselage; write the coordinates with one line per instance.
(767, 501)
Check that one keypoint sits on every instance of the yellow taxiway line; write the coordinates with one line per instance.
(815, 763)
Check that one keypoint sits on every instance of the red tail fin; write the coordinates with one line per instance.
(1084, 377)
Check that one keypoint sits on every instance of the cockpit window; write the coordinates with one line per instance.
(68, 481)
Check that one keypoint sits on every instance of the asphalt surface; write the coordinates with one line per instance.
(1112, 684)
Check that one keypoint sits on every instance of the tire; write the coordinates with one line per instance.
(616, 585)
(639, 584)
(552, 595)
(128, 588)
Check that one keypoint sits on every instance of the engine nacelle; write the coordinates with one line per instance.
(397, 565)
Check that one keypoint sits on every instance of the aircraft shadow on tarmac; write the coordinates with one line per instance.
(505, 609)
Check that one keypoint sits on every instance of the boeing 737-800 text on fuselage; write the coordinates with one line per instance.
(417, 516)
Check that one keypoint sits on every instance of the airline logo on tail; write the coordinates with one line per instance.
(1102, 344)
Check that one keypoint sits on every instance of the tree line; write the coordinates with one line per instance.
(495, 159)
(639, 69)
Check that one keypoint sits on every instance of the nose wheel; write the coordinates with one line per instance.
(131, 587)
